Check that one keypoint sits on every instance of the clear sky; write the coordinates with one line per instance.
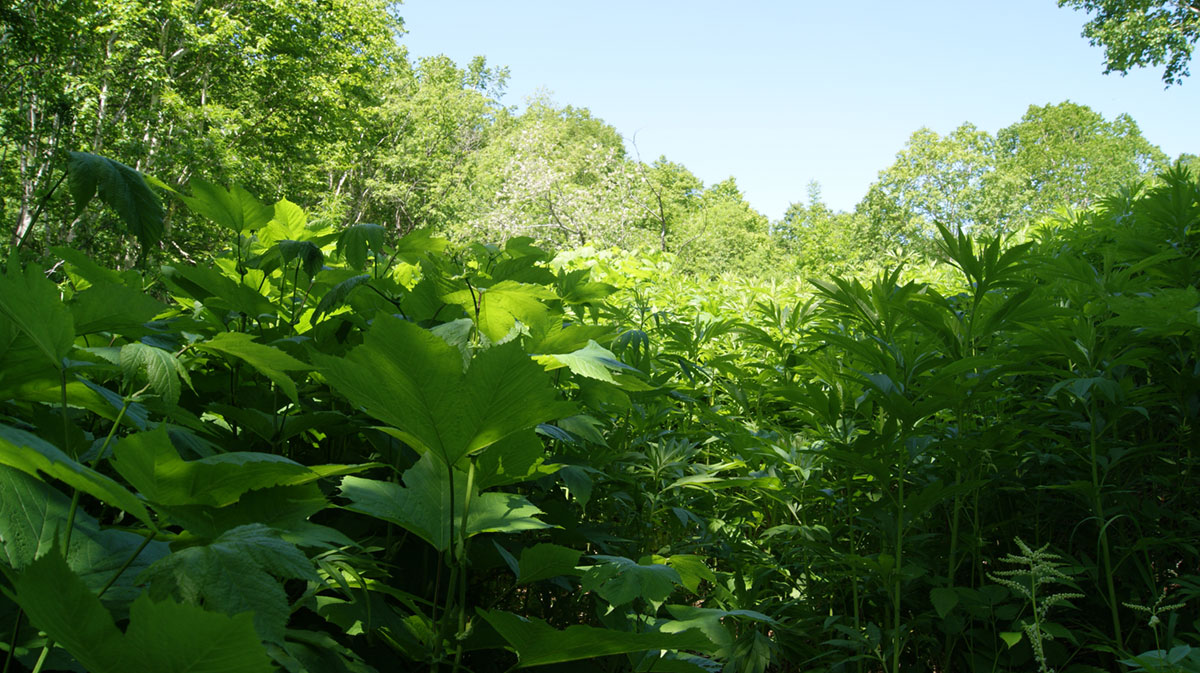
(777, 93)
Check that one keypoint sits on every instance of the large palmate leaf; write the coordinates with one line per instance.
(357, 241)
(414, 381)
(499, 307)
(537, 643)
(120, 187)
(34, 307)
(240, 571)
(234, 209)
(32, 455)
(113, 308)
(422, 505)
(543, 561)
(216, 290)
(149, 462)
(619, 580)
(33, 518)
(164, 637)
(269, 361)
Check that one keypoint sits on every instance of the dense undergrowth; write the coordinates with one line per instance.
(346, 451)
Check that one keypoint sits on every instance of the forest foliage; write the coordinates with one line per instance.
(314, 358)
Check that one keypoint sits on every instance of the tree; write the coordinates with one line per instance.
(1141, 33)
(823, 241)
(1056, 155)
(724, 234)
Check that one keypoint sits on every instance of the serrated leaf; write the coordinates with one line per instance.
(163, 637)
(413, 380)
(149, 462)
(593, 361)
(120, 187)
(34, 306)
(156, 366)
(337, 295)
(502, 305)
(216, 290)
(543, 561)
(310, 256)
(267, 360)
(619, 580)
(943, 600)
(31, 455)
(357, 240)
(234, 209)
(33, 518)
(537, 643)
(422, 505)
(240, 571)
(113, 308)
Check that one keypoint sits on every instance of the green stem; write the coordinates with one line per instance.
(125, 566)
(12, 641)
(462, 563)
(896, 635)
(1105, 554)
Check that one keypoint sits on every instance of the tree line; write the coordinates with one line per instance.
(318, 101)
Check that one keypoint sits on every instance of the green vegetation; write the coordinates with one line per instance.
(491, 394)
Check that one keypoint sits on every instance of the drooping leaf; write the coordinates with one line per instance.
(543, 561)
(357, 240)
(234, 209)
(120, 187)
(710, 622)
(337, 295)
(310, 256)
(411, 379)
(216, 290)
(161, 369)
(34, 305)
(239, 571)
(537, 643)
(943, 599)
(31, 455)
(502, 305)
(267, 360)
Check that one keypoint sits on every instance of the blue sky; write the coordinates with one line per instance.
(778, 93)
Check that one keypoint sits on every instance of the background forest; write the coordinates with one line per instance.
(317, 358)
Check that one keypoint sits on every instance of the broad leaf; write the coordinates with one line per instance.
(120, 187)
(357, 240)
(163, 637)
(149, 462)
(234, 209)
(619, 581)
(31, 455)
(161, 369)
(413, 380)
(502, 305)
(240, 571)
(593, 361)
(423, 506)
(113, 308)
(543, 561)
(537, 643)
(269, 361)
(34, 306)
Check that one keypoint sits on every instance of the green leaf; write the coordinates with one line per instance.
(240, 571)
(1011, 638)
(413, 380)
(122, 188)
(149, 462)
(593, 361)
(502, 305)
(357, 240)
(619, 580)
(943, 600)
(234, 209)
(543, 561)
(155, 365)
(537, 643)
(310, 256)
(709, 621)
(35, 306)
(267, 360)
(33, 517)
(337, 295)
(113, 308)
(692, 570)
(217, 291)
(163, 637)
(422, 505)
(31, 455)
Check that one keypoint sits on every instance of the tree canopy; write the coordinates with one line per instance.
(1143, 33)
